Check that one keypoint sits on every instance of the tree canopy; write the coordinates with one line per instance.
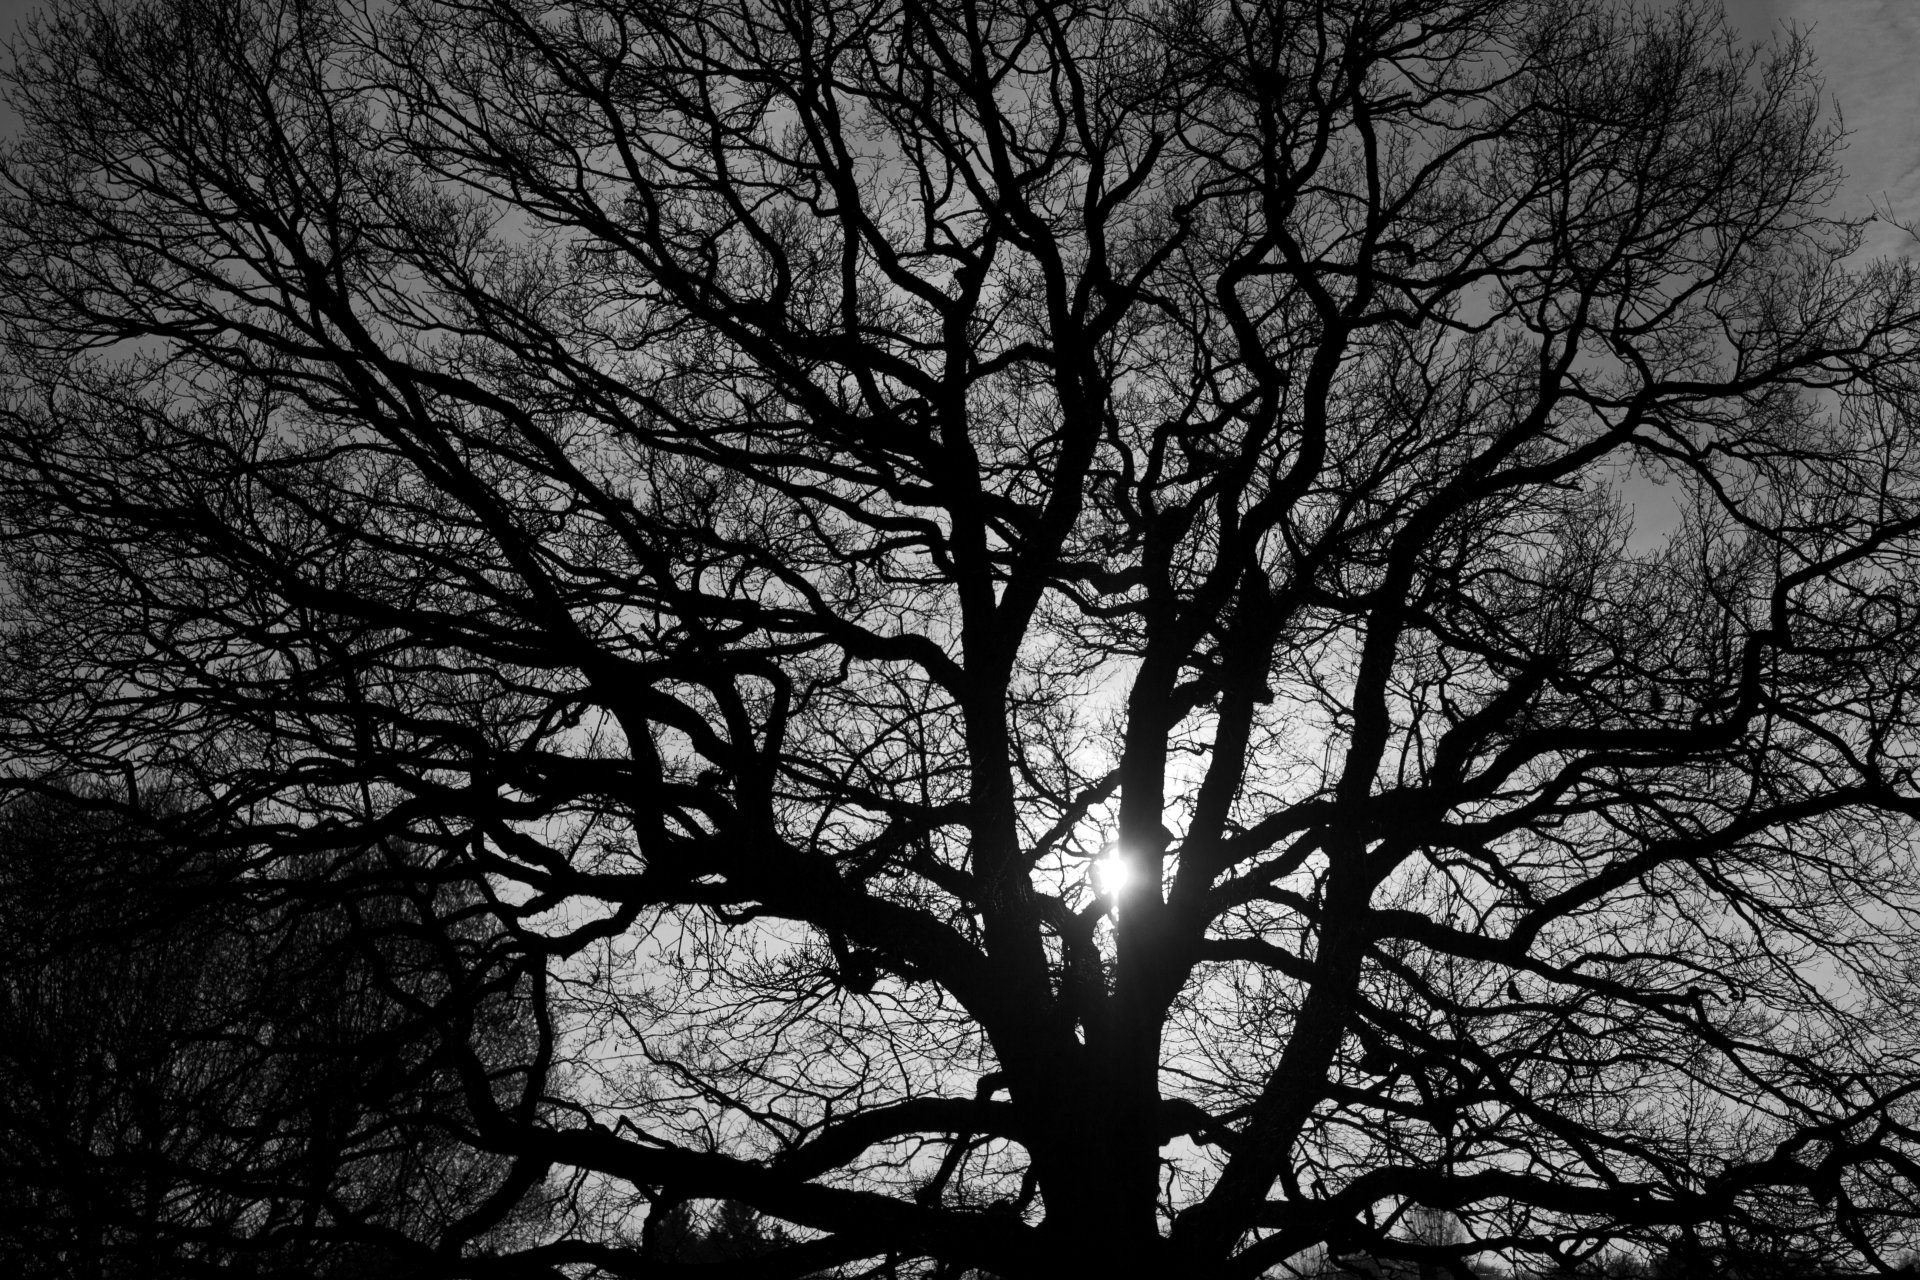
(1053, 638)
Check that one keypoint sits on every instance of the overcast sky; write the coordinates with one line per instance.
(1869, 52)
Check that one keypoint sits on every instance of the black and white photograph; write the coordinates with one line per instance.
(959, 639)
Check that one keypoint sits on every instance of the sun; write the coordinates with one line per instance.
(1111, 874)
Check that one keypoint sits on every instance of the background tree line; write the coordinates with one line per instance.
(194, 1071)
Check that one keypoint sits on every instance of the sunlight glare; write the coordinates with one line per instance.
(1110, 874)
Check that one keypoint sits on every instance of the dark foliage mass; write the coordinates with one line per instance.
(769, 638)
(194, 1072)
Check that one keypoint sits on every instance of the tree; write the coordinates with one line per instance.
(1080, 637)
(199, 1078)
(679, 1232)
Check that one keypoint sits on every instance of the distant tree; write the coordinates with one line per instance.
(1087, 638)
(727, 1231)
(200, 1073)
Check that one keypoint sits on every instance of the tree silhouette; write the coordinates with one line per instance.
(1059, 639)
(198, 1076)
(729, 1232)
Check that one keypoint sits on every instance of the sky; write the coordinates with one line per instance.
(1869, 53)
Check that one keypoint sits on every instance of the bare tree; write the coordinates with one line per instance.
(1080, 637)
